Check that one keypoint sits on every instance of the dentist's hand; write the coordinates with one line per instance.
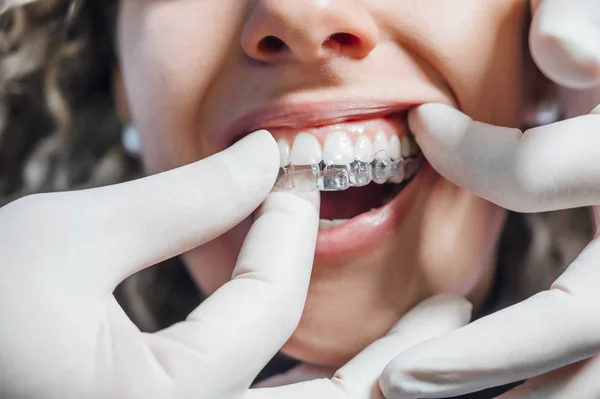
(547, 168)
(552, 339)
(63, 335)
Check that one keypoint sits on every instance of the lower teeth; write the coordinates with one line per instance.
(329, 177)
(325, 224)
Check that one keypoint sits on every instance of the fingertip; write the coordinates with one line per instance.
(393, 383)
(438, 123)
(418, 117)
(564, 45)
(259, 153)
(451, 303)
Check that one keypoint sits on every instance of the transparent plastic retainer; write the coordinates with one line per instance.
(332, 177)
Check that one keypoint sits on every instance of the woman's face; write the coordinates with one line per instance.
(200, 73)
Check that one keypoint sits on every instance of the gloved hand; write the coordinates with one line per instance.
(547, 168)
(553, 338)
(63, 335)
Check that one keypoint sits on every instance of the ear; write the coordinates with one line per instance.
(120, 97)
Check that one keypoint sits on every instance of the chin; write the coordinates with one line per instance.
(354, 300)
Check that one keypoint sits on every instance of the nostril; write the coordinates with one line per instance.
(271, 44)
(344, 39)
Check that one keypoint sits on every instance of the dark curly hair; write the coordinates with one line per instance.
(60, 130)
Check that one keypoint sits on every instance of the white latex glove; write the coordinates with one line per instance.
(63, 335)
(553, 338)
(547, 168)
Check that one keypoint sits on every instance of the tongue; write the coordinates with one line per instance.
(350, 203)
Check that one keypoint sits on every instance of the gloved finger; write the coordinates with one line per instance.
(431, 318)
(124, 228)
(240, 327)
(546, 332)
(579, 380)
(358, 379)
(565, 41)
(546, 168)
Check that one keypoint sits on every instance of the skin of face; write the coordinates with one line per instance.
(191, 67)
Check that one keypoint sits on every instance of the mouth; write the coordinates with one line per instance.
(365, 162)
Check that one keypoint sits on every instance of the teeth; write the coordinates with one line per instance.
(284, 152)
(405, 147)
(409, 147)
(381, 146)
(395, 151)
(361, 173)
(397, 172)
(381, 170)
(326, 224)
(306, 150)
(285, 178)
(342, 164)
(412, 165)
(363, 149)
(335, 177)
(338, 149)
(338, 222)
(306, 178)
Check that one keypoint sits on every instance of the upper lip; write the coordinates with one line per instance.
(308, 115)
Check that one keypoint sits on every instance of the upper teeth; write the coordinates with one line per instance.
(306, 150)
(363, 149)
(339, 149)
(341, 164)
(395, 148)
(381, 146)
(284, 152)
(408, 147)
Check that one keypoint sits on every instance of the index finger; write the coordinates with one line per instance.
(240, 327)
(124, 228)
(546, 168)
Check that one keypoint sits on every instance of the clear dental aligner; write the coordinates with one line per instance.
(357, 173)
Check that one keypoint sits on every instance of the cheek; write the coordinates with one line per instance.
(459, 237)
(488, 67)
(478, 51)
(168, 65)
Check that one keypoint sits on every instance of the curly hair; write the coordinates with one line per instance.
(60, 130)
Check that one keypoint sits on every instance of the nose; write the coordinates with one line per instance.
(309, 30)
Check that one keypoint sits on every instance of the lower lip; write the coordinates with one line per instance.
(365, 232)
